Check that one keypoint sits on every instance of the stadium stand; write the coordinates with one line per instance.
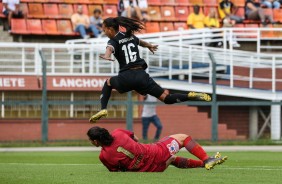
(51, 10)
(174, 12)
(35, 10)
(167, 13)
(34, 26)
(19, 26)
(181, 13)
(50, 27)
(166, 26)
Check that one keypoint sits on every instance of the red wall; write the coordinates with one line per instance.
(233, 124)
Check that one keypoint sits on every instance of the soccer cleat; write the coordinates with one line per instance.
(217, 159)
(102, 113)
(199, 96)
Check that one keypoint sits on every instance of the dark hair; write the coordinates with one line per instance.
(100, 134)
(131, 25)
(97, 10)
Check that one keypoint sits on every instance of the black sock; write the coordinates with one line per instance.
(175, 98)
(105, 96)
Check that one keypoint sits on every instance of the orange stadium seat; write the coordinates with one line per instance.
(49, 27)
(240, 3)
(35, 10)
(277, 15)
(92, 7)
(34, 26)
(115, 2)
(168, 2)
(1, 8)
(154, 13)
(267, 34)
(56, 1)
(109, 11)
(51, 10)
(96, 2)
(65, 27)
(167, 13)
(166, 26)
(182, 2)
(210, 2)
(33, 1)
(154, 2)
(84, 8)
(19, 26)
(181, 13)
(251, 25)
(198, 2)
(76, 2)
(180, 26)
(65, 10)
(278, 33)
(152, 27)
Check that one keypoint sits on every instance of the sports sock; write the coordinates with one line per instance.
(105, 96)
(181, 162)
(194, 148)
(175, 98)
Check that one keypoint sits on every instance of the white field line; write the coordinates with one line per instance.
(257, 168)
(207, 148)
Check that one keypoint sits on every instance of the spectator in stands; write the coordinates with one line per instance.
(81, 24)
(149, 115)
(228, 23)
(254, 11)
(97, 20)
(271, 3)
(12, 9)
(130, 9)
(196, 19)
(227, 8)
(212, 21)
(143, 5)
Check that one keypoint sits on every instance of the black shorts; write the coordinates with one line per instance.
(19, 14)
(138, 80)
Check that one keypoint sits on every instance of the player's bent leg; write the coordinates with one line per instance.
(105, 96)
(217, 159)
(199, 96)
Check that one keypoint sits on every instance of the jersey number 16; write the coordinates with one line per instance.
(130, 56)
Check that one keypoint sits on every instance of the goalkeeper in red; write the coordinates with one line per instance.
(122, 152)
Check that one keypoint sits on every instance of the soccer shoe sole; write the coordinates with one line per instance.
(218, 159)
(199, 96)
(98, 115)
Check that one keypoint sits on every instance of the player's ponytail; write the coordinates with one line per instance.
(100, 134)
(131, 25)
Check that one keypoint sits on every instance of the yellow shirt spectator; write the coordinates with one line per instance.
(196, 20)
(211, 22)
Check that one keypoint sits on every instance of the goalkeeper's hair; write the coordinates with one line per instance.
(131, 25)
(100, 134)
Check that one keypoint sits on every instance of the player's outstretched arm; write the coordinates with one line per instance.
(107, 55)
(151, 47)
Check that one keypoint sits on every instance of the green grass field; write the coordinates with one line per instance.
(85, 167)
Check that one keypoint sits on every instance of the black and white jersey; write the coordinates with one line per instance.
(125, 50)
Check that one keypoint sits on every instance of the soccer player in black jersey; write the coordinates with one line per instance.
(132, 74)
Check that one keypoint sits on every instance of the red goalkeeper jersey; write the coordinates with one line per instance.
(125, 154)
